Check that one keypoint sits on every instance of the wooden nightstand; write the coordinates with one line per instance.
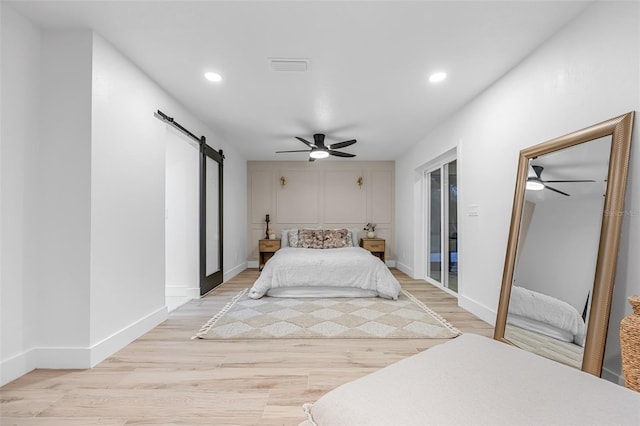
(266, 249)
(375, 245)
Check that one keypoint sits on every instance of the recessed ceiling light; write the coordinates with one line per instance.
(437, 77)
(213, 76)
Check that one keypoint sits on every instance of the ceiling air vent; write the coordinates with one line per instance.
(280, 64)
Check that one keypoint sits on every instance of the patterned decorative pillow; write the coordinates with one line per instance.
(310, 238)
(335, 238)
(292, 238)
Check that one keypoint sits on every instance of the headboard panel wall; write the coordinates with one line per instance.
(330, 194)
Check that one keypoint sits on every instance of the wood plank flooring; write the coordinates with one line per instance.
(165, 378)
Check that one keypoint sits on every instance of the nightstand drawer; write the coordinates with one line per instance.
(373, 245)
(266, 249)
(269, 245)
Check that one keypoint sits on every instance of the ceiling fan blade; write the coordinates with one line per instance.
(299, 150)
(341, 154)
(557, 190)
(306, 142)
(561, 181)
(342, 144)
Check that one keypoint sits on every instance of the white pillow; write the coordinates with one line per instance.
(355, 236)
(284, 237)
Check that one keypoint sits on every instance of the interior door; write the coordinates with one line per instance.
(211, 274)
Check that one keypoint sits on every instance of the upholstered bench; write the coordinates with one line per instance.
(474, 380)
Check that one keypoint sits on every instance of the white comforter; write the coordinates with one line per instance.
(546, 309)
(352, 267)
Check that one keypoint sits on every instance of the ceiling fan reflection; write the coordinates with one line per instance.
(536, 183)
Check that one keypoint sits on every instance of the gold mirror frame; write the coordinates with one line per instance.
(619, 128)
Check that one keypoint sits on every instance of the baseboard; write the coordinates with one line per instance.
(230, 273)
(64, 358)
(612, 376)
(391, 263)
(51, 358)
(404, 268)
(182, 291)
(61, 358)
(252, 264)
(118, 340)
(17, 366)
(484, 313)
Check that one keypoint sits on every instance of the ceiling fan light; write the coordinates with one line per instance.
(213, 76)
(319, 154)
(437, 77)
(534, 185)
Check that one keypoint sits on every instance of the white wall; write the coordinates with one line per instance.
(45, 301)
(64, 197)
(128, 206)
(235, 212)
(321, 193)
(585, 74)
(182, 213)
(127, 200)
(83, 228)
(559, 255)
(20, 68)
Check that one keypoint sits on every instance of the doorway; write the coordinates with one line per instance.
(441, 223)
(193, 215)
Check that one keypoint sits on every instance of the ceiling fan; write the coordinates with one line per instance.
(320, 150)
(536, 183)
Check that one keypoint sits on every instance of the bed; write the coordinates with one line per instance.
(475, 380)
(540, 313)
(324, 263)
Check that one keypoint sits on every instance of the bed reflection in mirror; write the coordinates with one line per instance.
(558, 250)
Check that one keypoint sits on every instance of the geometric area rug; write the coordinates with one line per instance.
(334, 318)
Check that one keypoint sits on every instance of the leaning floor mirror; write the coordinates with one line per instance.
(563, 242)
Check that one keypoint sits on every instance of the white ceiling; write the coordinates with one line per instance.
(369, 62)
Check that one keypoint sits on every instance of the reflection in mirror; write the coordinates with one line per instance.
(564, 233)
(557, 251)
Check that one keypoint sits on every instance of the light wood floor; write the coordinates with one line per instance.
(165, 378)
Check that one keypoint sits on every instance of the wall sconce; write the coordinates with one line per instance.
(283, 181)
(360, 181)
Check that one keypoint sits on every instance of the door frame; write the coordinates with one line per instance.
(421, 217)
(445, 231)
(206, 283)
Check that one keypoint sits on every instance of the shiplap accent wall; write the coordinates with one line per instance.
(320, 194)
